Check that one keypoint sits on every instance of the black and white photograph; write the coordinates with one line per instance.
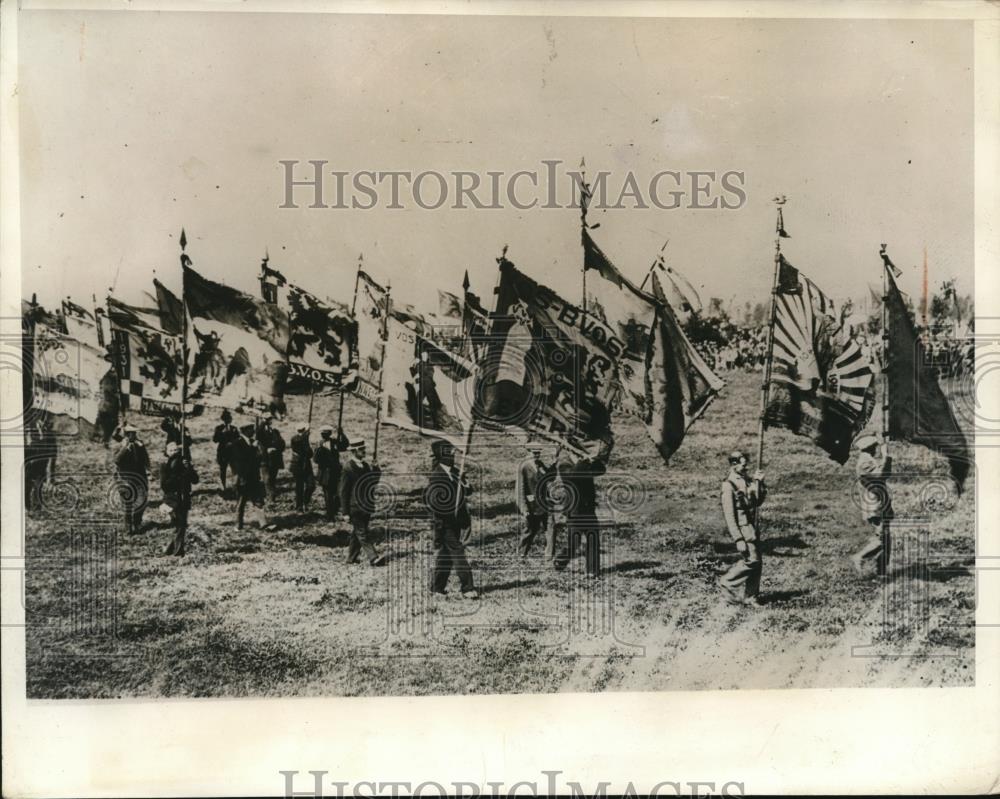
(446, 356)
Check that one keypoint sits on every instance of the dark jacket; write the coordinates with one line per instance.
(446, 498)
(272, 448)
(301, 460)
(579, 476)
(357, 489)
(244, 457)
(327, 459)
(224, 436)
(132, 458)
(176, 479)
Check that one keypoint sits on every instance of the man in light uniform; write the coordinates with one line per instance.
(872, 469)
(741, 497)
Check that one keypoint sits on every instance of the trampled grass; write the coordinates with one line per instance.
(277, 612)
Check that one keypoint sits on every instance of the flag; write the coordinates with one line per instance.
(81, 324)
(550, 370)
(821, 379)
(663, 380)
(370, 303)
(918, 410)
(237, 346)
(426, 388)
(449, 305)
(171, 309)
(679, 384)
(322, 339)
(148, 360)
(271, 282)
(66, 374)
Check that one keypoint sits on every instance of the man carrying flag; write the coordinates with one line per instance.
(872, 469)
(741, 497)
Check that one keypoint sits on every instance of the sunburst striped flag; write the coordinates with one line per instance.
(821, 380)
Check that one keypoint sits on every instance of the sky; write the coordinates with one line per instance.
(136, 124)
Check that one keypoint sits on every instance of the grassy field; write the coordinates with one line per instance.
(276, 612)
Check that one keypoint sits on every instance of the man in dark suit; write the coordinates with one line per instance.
(328, 469)
(132, 474)
(357, 493)
(583, 529)
(300, 466)
(176, 478)
(224, 436)
(244, 457)
(446, 498)
(272, 457)
(40, 453)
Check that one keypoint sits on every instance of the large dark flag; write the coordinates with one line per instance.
(171, 310)
(680, 385)
(149, 361)
(237, 346)
(821, 380)
(551, 370)
(322, 344)
(918, 410)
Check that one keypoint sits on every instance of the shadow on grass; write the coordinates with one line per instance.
(489, 589)
(769, 546)
(633, 565)
(336, 540)
(780, 597)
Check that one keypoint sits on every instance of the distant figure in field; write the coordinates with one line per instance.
(132, 473)
(357, 494)
(528, 488)
(272, 457)
(40, 452)
(244, 457)
(872, 469)
(578, 473)
(328, 469)
(446, 497)
(300, 466)
(224, 436)
(176, 478)
(741, 497)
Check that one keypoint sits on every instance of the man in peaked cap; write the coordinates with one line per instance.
(328, 468)
(872, 468)
(132, 476)
(741, 497)
(357, 494)
(300, 466)
(446, 498)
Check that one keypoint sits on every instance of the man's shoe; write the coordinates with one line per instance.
(472, 593)
(377, 561)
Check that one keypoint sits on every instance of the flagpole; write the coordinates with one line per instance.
(354, 305)
(117, 359)
(885, 346)
(656, 261)
(584, 195)
(766, 385)
(184, 344)
(381, 370)
(489, 331)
